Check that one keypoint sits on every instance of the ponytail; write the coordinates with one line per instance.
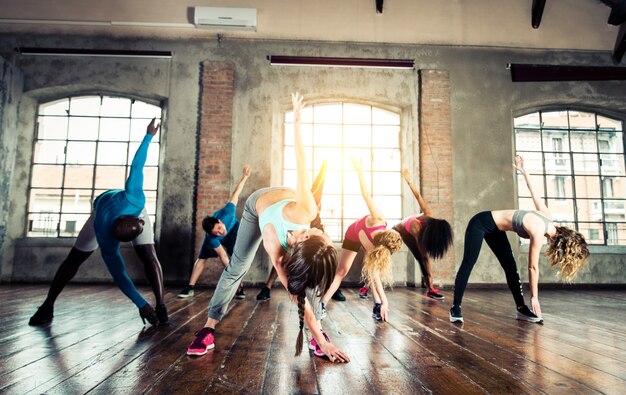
(377, 263)
(300, 339)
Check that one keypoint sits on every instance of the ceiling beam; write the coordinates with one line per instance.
(618, 14)
(32, 51)
(620, 44)
(537, 12)
(548, 72)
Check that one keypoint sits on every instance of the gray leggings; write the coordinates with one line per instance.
(249, 238)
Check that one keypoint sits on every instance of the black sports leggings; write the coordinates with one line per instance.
(480, 227)
(411, 243)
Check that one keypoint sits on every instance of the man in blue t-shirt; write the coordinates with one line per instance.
(221, 232)
(118, 216)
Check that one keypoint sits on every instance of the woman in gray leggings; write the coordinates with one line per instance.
(304, 258)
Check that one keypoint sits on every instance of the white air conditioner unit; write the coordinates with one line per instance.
(224, 17)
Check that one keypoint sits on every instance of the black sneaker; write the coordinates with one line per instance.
(186, 292)
(42, 316)
(455, 314)
(376, 312)
(161, 313)
(240, 294)
(264, 294)
(338, 296)
(524, 314)
(434, 294)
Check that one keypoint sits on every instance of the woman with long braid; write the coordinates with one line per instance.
(304, 258)
(567, 250)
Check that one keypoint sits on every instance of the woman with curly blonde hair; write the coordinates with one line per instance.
(567, 250)
(370, 233)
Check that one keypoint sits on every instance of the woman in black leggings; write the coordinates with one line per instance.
(567, 250)
(426, 237)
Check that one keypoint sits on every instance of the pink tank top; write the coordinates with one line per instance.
(409, 221)
(352, 233)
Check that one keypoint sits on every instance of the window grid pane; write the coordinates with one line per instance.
(337, 132)
(84, 146)
(576, 164)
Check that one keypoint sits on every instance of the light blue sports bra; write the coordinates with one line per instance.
(518, 217)
(274, 215)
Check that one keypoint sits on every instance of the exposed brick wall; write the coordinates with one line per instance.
(214, 148)
(435, 148)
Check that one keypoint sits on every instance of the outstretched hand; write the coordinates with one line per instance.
(384, 311)
(519, 163)
(151, 129)
(246, 171)
(333, 353)
(148, 313)
(298, 101)
(535, 307)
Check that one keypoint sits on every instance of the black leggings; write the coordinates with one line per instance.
(411, 243)
(480, 227)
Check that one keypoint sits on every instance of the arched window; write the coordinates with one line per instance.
(336, 132)
(83, 147)
(576, 163)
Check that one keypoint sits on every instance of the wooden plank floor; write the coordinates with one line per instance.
(98, 344)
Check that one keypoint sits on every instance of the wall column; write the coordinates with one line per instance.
(435, 148)
(214, 145)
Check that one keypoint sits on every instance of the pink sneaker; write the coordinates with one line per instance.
(317, 351)
(203, 342)
(363, 293)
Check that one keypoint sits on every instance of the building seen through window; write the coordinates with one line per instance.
(337, 132)
(576, 163)
(83, 147)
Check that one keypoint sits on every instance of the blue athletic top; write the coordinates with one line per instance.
(113, 204)
(274, 215)
(518, 217)
(227, 216)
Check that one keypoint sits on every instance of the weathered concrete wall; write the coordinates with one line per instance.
(10, 94)
(483, 100)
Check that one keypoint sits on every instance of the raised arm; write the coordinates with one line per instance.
(134, 183)
(365, 192)
(539, 204)
(305, 203)
(235, 196)
(423, 206)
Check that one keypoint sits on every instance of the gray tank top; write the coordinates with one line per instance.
(518, 217)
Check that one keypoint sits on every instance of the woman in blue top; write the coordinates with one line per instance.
(567, 250)
(118, 216)
(304, 258)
